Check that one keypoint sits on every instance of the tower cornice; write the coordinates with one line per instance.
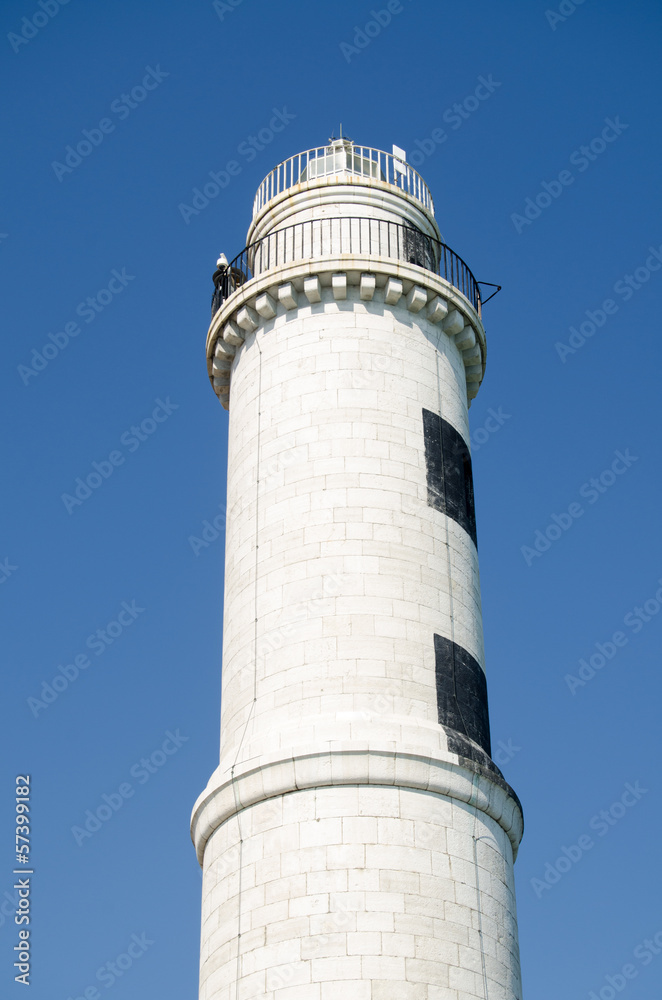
(300, 285)
(360, 764)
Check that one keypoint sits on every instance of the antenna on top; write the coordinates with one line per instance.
(344, 139)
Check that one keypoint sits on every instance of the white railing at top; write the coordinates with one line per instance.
(338, 159)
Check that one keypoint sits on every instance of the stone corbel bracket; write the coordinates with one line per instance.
(299, 285)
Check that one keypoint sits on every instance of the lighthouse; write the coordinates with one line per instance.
(356, 840)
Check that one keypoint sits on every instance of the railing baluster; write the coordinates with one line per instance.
(288, 173)
(356, 235)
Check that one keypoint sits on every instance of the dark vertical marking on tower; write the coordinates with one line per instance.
(461, 693)
(449, 475)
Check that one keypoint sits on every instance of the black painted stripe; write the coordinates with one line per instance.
(461, 694)
(449, 475)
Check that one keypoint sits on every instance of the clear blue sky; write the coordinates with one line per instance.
(215, 82)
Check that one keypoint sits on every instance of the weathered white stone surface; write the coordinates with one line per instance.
(367, 286)
(321, 279)
(266, 306)
(359, 891)
(331, 544)
(347, 853)
(312, 289)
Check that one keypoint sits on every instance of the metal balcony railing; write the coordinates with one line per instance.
(338, 159)
(349, 235)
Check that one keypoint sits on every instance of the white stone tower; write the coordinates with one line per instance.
(356, 839)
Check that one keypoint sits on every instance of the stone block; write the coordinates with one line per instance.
(385, 967)
(305, 991)
(224, 350)
(364, 943)
(312, 288)
(416, 299)
(221, 365)
(232, 334)
(354, 988)
(266, 306)
(382, 989)
(288, 295)
(437, 309)
(247, 319)
(472, 355)
(341, 967)
(339, 286)
(453, 323)
(466, 338)
(393, 291)
(367, 286)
